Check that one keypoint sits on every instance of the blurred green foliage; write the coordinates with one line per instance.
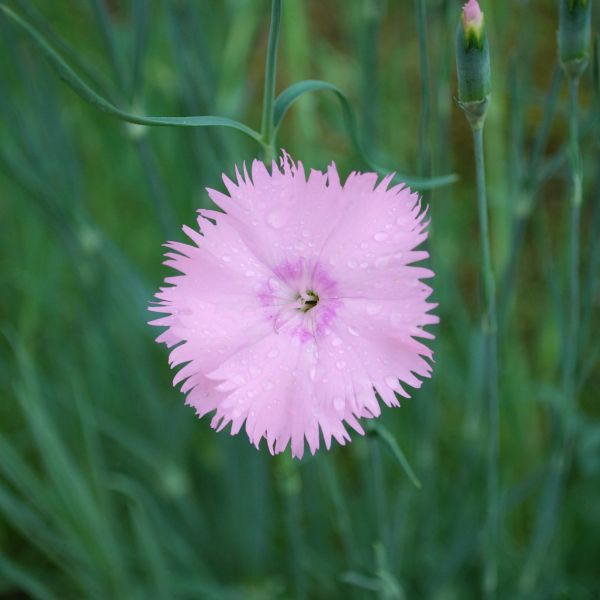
(109, 487)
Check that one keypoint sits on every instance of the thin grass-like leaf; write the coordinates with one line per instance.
(287, 98)
(394, 447)
(149, 547)
(86, 93)
(26, 581)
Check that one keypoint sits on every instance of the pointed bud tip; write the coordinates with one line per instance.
(473, 63)
(472, 15)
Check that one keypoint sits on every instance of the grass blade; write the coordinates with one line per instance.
(86, 93)
(287, 98)
(390, 441)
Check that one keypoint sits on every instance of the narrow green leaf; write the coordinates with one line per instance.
(26, 581)
(149, 549)
(140, 35)
(84, 91)
(362, 581)
(37, 20)
(285, 100)
(387, 437)
(33, 526)
(103, 21)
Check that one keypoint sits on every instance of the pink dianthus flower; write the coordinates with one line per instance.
(298, 304)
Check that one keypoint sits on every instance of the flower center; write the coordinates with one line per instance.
(308, 300)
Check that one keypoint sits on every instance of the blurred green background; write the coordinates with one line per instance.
(109, 487)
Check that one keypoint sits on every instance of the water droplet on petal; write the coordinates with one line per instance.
(276, 219)
(353, 332)
(396, 319)
(336, 342)
(272, 353)
(250, 273)
(382, 262)
(312, 373)
(380, 236)
(338, 403)
(226, 258)
(391, 381)
(340, 364)
(372, 308)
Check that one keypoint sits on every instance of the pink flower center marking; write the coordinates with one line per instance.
(300, 299)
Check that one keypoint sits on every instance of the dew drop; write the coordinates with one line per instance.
(312, 373)
(382, 262)
(226, 258)
(336, 342)
(396, 319)
(250, 273)
(353, 332)
(338, 403)
(391, 381)
(372, 308)
(380, 236)
(351, 264)
(364, 245)
(364, 265)
(340, 364)
(276, 219)
(268, 385)
(272, 353)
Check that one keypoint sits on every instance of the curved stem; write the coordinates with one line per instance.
(548, 511)
(268, 121)
(572, 328)
(424, 149)
(489, 326)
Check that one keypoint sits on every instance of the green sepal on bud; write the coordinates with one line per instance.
(473, 64)
(574, 33)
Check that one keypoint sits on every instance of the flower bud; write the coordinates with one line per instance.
(473, 64)
(574, 33)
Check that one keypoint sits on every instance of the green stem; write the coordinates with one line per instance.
(528, 190)
(491, 370)
(371, 21)
(572, 323)
(562, 452)
(100, 11)
(425, 157)
(268, 121)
